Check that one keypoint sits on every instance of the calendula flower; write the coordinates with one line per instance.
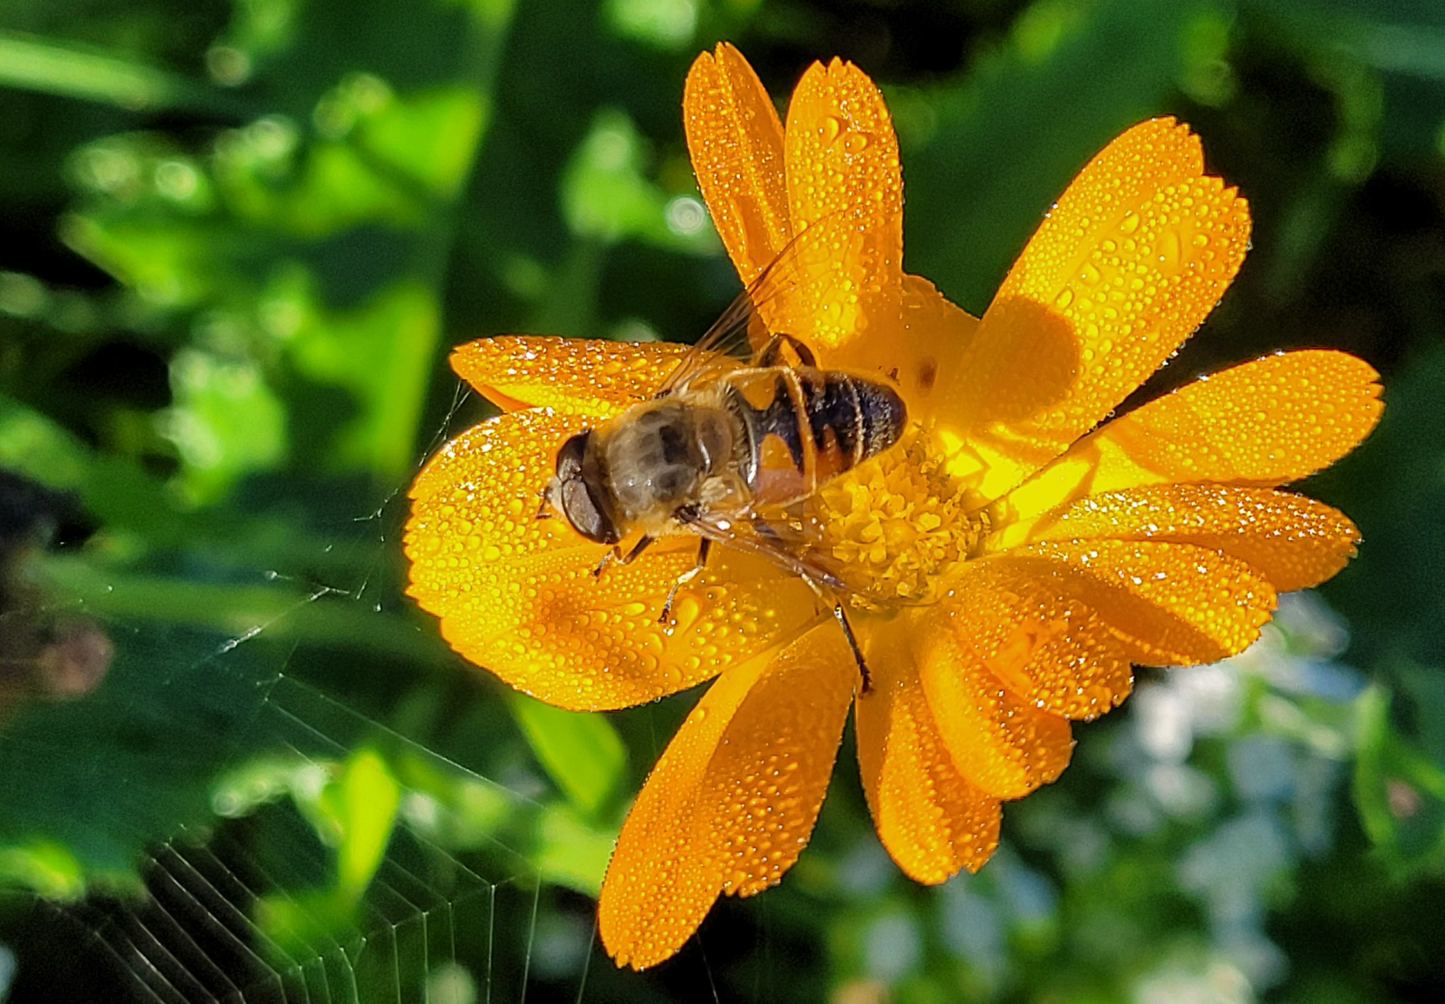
(1006, 562)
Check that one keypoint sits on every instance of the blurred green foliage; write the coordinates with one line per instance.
(240, 238)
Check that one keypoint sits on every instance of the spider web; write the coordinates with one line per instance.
(239, 902)
(196, 930)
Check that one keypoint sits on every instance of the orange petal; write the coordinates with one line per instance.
(517, 594)
(1263, 422)
(733, 800)
(1049, 648)
(736, 142)
(919, 357)
(842, 154)
(1125, 266)
(998, 742)
(1293, 541)
(1168, 604)
(931, 820)
(842, 164)
(578, 375)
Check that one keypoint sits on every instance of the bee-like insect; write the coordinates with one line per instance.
(708, 453)
(724, 440)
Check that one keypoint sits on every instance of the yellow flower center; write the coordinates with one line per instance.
(897, 526)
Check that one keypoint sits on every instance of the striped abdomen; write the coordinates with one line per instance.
(805, 426)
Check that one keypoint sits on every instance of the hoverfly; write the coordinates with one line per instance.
(746, 427)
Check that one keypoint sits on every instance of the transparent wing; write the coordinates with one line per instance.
(779, 541)
(807, 268)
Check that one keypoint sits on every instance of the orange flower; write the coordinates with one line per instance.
(1008, 561)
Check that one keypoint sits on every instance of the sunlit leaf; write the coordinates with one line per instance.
(62, 68)
(582, 752)
(44, 867)
(367, 797)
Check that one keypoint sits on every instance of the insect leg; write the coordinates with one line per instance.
(842, 619)
(702, 548)
(773, 351)
(637, 549)
(615, 555)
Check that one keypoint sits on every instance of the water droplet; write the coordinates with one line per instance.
(1169, 250)
(1130, 222)
(828, 129)
(1065, 297)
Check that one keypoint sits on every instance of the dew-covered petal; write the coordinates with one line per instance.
(1293, 541)
(1166, 603)
(931, 820)
(732, 801)
(517, 594)
(1124, 267)
(735, 139)
(842, 154)
(918, 357)
(584, 376)
(1262, 423)
(1044, 645)
(999, 742)
(842, 166)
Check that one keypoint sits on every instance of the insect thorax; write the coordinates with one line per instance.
(659, 455)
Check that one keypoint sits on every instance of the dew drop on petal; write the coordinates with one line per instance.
(1170, 251)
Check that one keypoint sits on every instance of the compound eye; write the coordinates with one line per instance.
(577, 486)
(569, 457)
(584, 515)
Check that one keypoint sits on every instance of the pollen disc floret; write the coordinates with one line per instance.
(897, 526)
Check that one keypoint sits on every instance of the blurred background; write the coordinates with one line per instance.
(237, 239)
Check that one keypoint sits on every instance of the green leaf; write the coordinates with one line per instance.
(44, 867)
(1399, 790)
(606, 195)
(52, 67)
(381, 353)
(569, 852)
(366, 803)
(226, 422)
(580, 750)
(33, 445)
(430, 137)
(297, 921)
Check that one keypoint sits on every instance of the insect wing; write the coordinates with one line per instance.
(805, 277)
(774, 540)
